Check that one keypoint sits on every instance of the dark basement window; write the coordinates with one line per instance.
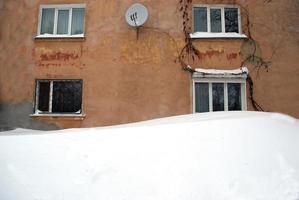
(58, 97)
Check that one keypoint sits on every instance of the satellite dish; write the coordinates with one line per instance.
(136, 15)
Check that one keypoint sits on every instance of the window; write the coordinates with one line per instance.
(216, 21)
(219, 90)
(58, 97)
(219, 96)
(61, 20)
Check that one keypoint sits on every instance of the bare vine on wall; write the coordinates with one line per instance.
(189, 51)
(254, 57)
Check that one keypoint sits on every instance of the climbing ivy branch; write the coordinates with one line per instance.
(257, 61)
(189, 51)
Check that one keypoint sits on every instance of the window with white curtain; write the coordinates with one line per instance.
(216, 18)
(219, 95)
(219, 90)
(66, 20)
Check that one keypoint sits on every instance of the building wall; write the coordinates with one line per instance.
(126, 79)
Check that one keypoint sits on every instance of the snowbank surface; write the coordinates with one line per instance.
(212, 156)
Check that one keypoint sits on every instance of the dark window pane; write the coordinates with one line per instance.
(215, 20)
(218, 96)
(200, 19)
(63, 22)
(77, 21)
(67, 96)
(47, 23)
(234, 96)
(231, 20)
(202, 97)
(43, 96)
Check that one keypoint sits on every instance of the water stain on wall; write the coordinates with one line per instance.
(18, 116)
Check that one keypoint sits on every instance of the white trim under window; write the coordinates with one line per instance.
(53, 29)
(222, 33)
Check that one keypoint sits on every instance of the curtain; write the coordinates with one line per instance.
(63, 22)
(78, 21)
(218, 96)
(234, 96)
(215, 20)
(200, 19)
(202, 97)
(47, 23)
(231, 20)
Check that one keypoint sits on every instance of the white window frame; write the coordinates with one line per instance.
(50, 113)
(58, 7)
(221, 34)
(225, 81)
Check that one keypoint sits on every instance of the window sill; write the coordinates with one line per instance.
(203, 35)
(79, 116)
(51, 36)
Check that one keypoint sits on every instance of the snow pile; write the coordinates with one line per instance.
(211, 156)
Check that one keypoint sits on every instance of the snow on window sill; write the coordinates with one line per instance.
(70, 115)
(204, 35)
(59, 36)
(216, 73)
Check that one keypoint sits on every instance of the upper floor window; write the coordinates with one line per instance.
(216, 21)
(61, 20)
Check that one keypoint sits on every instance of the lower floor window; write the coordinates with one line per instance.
(219, 95)
(58, 96)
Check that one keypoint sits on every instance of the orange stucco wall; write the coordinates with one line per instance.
(126, 79)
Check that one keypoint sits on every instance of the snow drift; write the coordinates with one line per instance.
(212, 156)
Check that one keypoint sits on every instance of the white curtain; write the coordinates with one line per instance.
(218, 96)
(200, 19)
(215, 20)
(63, 22)
(77, 21)
(47, 23)
(234, 96)
(202, 97)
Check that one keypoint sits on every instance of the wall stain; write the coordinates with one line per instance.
(231, 56)
(210, 53)
(58, 56)
(49, 64)
(141, 52)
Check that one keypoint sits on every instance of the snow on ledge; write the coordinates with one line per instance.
(59, 36)
(217, 35)
(240, 72)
